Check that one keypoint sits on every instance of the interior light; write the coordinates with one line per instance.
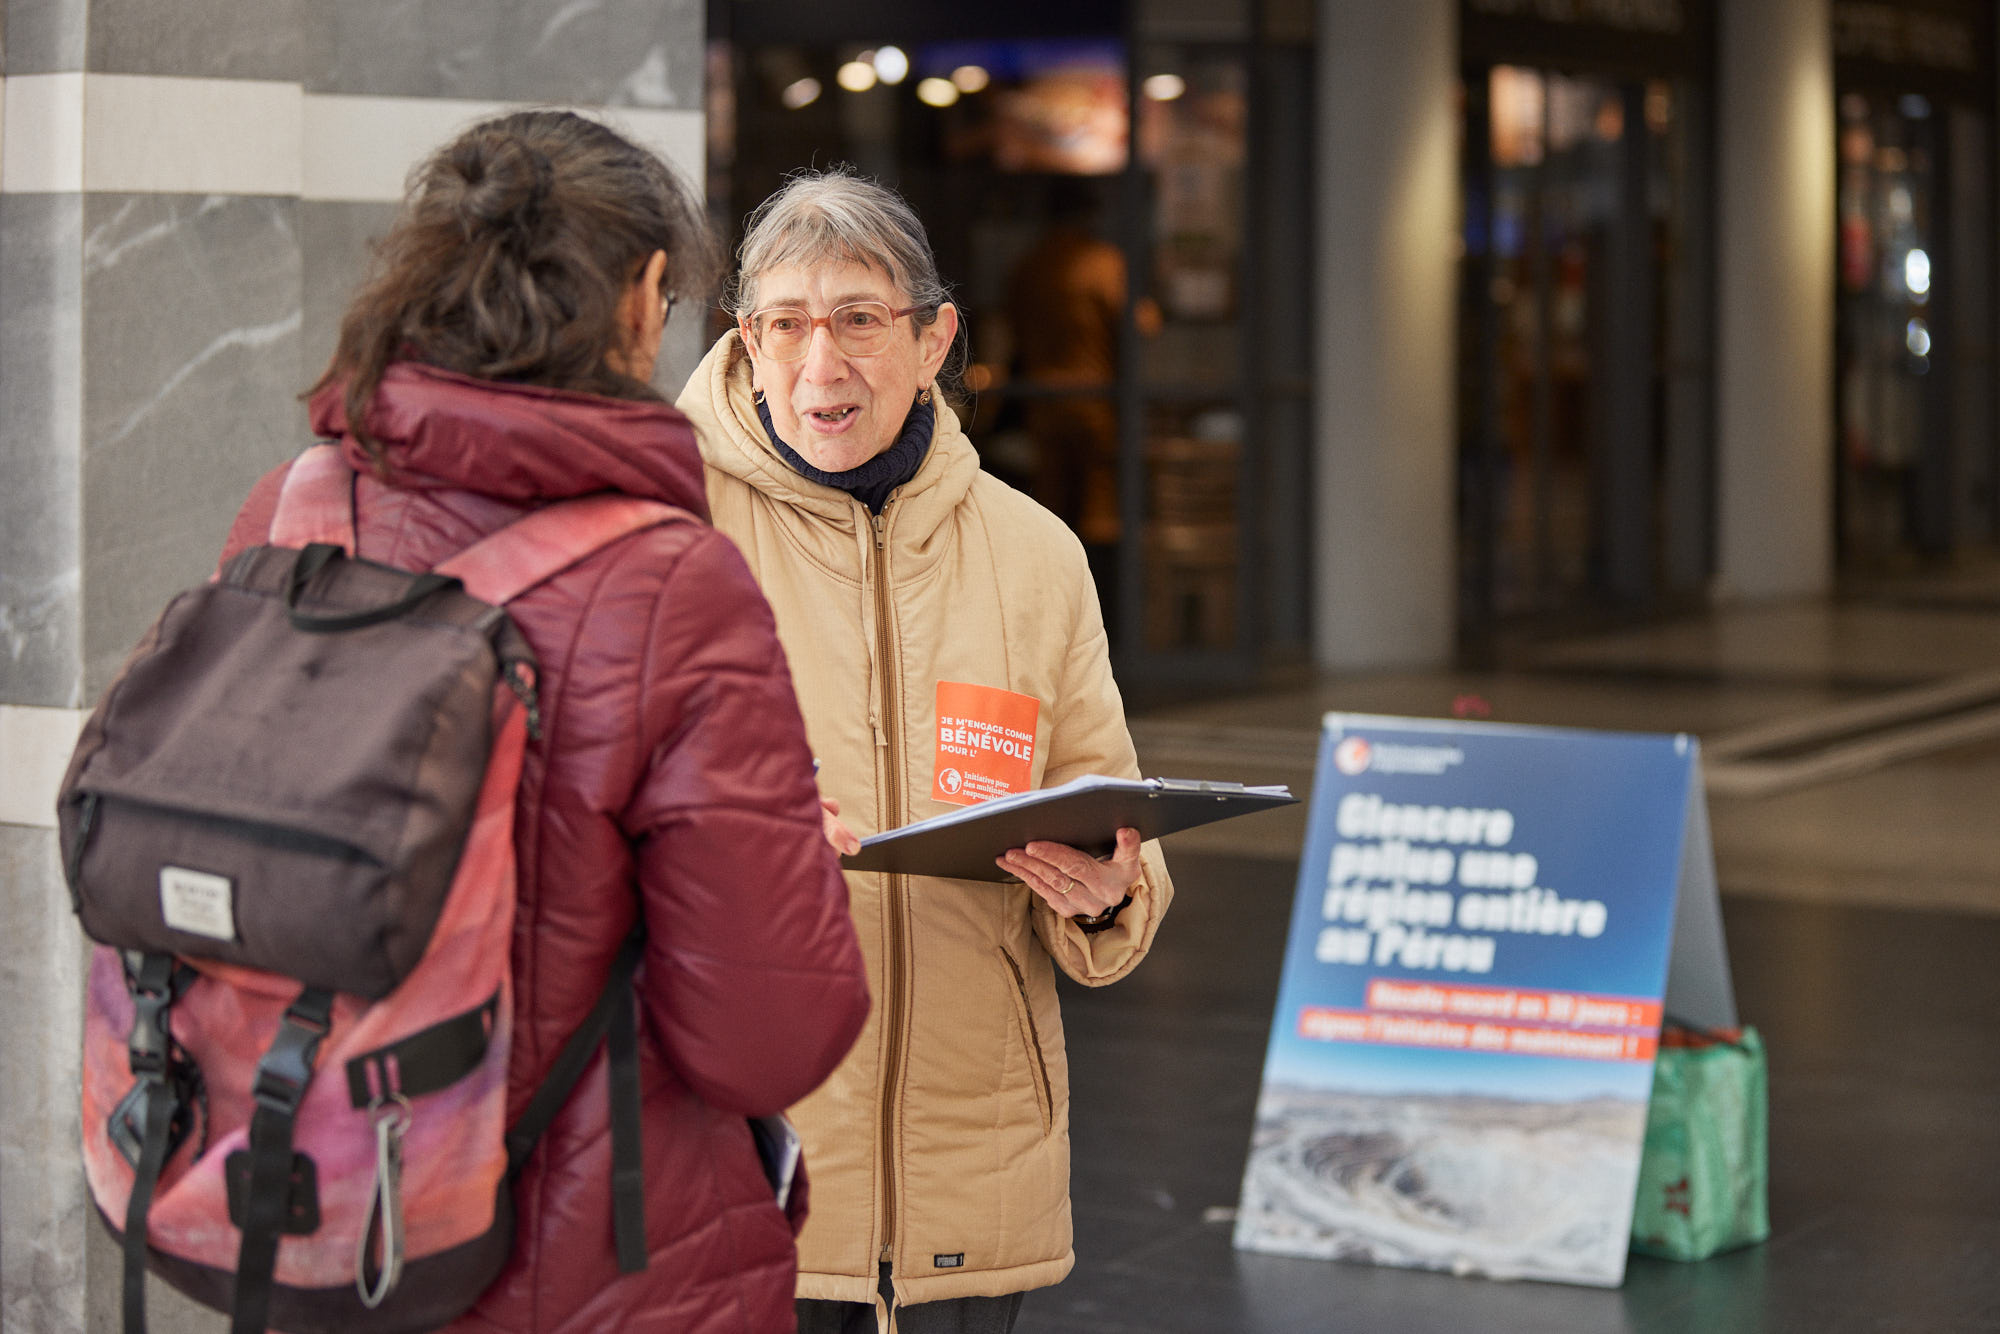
(937, 92)
(1917, 272)
(800, 93)
(891, 64)
(1917, 337)
(1163, 87)
(970, 78)
(856, 76)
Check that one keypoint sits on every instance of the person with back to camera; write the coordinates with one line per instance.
(497, 360)
(910, 587)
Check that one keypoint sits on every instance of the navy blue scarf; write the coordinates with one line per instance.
(872, 482)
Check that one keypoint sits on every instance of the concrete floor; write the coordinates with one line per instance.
(1863, 918)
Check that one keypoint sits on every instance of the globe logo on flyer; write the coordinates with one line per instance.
(1352, 755)
(951, 780)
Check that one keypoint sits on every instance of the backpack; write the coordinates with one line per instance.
(289, 828)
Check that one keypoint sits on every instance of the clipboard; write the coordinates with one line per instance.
(1085, 813)
(778, 1149)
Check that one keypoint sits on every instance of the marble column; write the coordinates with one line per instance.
(1775, 283)
(1387, 182)
(186, 193)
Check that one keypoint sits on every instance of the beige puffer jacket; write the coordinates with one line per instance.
(941, 1144)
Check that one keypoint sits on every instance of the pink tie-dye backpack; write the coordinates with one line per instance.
(289, 827)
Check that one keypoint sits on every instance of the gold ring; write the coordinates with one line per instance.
(1073, 883)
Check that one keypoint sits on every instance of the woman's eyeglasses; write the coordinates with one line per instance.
(859, 328)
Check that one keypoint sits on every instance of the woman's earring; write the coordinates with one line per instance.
(756, 394)
(924, 394)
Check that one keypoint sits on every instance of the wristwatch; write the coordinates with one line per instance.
(1090, 926)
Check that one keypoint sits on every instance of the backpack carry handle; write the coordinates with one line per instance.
(315, 558)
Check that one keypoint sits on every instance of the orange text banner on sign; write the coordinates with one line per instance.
(1402, 1030)
(1542, 1007)
(985, 742)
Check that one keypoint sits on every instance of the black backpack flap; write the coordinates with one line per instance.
(291, 799)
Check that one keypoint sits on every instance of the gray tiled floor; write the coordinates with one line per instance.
(1864, 925)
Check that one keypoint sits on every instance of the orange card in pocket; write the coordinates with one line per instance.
(985, 742)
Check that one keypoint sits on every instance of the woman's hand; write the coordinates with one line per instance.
(839, 835)
(1074, 883)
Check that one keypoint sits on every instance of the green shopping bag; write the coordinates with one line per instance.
(1706, 1165)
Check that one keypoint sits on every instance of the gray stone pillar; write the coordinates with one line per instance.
(1774, 313)
(1387, 181)
(185, 194)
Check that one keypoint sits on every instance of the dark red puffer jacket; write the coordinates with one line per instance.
(673, 780)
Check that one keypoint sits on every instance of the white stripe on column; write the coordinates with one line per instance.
(42, 152)
(361, 149)
(190, 136)
(138, 134)
(35, 746)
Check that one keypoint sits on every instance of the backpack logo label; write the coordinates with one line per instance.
(198, 903)
(949, 1261)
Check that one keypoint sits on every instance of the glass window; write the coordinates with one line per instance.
(1585, 417)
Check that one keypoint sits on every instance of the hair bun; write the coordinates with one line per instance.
(503, 182)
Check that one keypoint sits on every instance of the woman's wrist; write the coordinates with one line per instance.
(1104, 921)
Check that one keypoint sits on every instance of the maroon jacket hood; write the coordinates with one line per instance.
(518, 442)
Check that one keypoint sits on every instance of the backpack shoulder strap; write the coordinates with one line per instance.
(316, 503)
(535, 548)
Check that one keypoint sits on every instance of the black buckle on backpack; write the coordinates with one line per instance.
(151, 1121)
(287, 1066)
(155, 983)
(159, 1068)
(278, 1187)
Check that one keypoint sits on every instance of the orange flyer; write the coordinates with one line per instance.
(985, 742)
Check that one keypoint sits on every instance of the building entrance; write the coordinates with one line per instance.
(1585, 408)
(1916, 463)
(1120, 194)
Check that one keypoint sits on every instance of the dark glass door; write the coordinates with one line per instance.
(1125, 209)
(1215, 399)
(1585, 412)
(1915, 477)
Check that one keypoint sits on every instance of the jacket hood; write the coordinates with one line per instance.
(516, 442)
(719, 401)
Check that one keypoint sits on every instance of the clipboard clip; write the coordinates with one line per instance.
(1162, 785)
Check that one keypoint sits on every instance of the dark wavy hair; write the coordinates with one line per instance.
(514, 244)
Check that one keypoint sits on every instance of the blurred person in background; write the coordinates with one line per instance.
(913, 590)
(1065, 301)
(496, 360)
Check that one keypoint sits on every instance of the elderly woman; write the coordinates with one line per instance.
(918, 597)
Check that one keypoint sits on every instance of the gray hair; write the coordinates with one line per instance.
(820, 217)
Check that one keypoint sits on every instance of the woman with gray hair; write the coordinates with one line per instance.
(947, 647)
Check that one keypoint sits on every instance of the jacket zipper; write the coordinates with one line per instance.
(896, 891)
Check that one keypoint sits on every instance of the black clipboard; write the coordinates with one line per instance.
(1086, 813)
